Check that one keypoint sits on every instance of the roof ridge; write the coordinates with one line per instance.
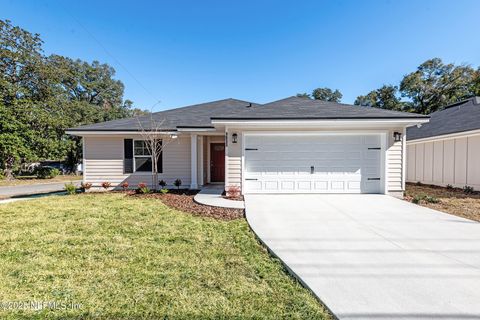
(203, 103)
(340, 104)
(474, 100)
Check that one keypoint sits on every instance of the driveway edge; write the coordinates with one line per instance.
(289, 270)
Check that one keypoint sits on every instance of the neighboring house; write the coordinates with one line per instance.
(446, 151)
(294, 145)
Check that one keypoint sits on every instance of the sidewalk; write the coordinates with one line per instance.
(26, 190)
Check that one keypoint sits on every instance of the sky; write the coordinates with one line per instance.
(176, 53)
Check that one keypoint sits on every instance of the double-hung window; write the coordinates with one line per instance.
(143, 156)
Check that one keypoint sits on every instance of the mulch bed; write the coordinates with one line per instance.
(450, 200)
(183, 201)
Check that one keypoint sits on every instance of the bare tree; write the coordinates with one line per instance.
(156, 139)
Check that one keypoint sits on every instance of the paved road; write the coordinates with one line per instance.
(14, 191)
(374, 256)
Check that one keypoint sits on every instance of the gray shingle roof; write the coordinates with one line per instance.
(197, 116)
(200, 115)
(457, 117)
(304, 108)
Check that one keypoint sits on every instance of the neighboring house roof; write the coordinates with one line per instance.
(458, 117)
(201, 115)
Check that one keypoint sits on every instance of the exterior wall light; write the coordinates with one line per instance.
(397, 136)
(234, 138)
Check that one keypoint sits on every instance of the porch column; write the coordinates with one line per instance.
(193, 161)
(200, 161)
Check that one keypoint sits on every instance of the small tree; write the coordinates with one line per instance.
(156, 139)
(177, 183)
(162, 184)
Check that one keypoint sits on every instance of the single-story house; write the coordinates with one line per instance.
(446, 151)
(293, 145)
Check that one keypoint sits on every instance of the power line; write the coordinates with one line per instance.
(115, 59)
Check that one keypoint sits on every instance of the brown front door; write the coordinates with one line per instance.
(217, 162)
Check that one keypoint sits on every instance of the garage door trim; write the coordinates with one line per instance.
(383, 141)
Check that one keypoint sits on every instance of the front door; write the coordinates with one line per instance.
(217, 162)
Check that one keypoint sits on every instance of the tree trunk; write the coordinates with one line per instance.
(8, 172)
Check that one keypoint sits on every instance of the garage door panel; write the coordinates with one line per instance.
(283, 164)
(288, 185)
(321, 185)
(271, 185)
(304, 185)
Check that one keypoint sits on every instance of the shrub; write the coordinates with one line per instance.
(86, 185)
(70, 188)
(106, 185)
(449, 187)
(162, 184)
(47, 172)
(418, 183)
(164, 191)
(431, 199)
(417, 199)
(142, 188)
(424, 198)
(468, 190)
(124, 186)
(177, 183)
(2, 176)
(233, 192)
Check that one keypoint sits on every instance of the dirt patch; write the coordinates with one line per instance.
(183, 201)
(453, 201)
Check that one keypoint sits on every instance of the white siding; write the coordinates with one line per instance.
(394, 160)
(473, 161)
(234, 160)
(428, 162)
(437, 162)
(104, 162)
(450, 160)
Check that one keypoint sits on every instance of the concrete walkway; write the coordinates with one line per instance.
(211, 195)
(25, 190)
(374, 256)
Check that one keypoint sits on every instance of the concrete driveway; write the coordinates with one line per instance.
(374, 256)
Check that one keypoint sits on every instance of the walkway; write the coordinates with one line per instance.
(211, 195)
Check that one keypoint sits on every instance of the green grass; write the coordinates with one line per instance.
(128, 258)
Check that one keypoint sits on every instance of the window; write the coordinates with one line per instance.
(143, 157)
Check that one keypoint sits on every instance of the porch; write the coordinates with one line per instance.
(207, 161)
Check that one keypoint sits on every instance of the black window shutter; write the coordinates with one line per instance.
(160, 161)
(128, 156)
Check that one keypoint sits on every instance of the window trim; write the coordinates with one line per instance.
(144, 156)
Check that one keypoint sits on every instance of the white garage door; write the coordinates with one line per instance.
(313, 163)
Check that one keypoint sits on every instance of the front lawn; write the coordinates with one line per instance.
(453, 201)
(122, 257)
